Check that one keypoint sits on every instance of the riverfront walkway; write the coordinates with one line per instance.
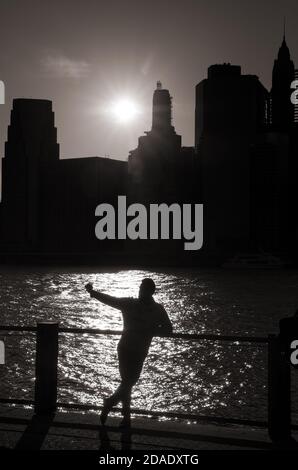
(21, 430)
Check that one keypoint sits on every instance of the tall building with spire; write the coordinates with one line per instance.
(282, 110)
(274, 168)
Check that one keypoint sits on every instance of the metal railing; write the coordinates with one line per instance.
(46, 376)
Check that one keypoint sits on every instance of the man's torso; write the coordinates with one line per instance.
(140, 323)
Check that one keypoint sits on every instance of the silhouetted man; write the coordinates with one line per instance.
(143, 318)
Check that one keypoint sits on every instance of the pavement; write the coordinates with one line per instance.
(20, 429)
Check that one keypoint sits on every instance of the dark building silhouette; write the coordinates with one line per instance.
(30, 152)
(49, 204)
(230, 102)
(78, 186)
(270, 212)
(282, 76)
(231, 110)
(247, 144)
(160, 169)
(274, 167)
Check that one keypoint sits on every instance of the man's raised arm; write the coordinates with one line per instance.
(114, 302)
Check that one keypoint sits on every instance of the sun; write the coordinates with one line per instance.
(124, 110)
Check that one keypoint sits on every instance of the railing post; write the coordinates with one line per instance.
(46, 368)
(279, 392)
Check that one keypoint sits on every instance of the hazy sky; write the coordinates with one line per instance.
(85, 54)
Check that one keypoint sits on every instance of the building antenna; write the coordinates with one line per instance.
(284, 28)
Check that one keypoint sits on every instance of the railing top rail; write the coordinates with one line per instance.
(184, 336)
(30, 329)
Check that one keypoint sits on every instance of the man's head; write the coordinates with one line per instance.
(147, 288)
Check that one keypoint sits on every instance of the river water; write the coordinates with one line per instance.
(212, 378)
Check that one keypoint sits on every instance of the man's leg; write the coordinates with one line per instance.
(130, 368)
(126, 401)
(110, 402)
(130, 376)
(116, 397)
(123, 394)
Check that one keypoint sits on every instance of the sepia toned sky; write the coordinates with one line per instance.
(85, 55)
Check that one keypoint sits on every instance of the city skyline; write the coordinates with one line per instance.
(82, 72)
(246, 146)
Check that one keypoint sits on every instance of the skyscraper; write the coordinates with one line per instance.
(160, 171)
(30, 150)
(231, 109)
(154, 165)
(274, 166)
(282, 76)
